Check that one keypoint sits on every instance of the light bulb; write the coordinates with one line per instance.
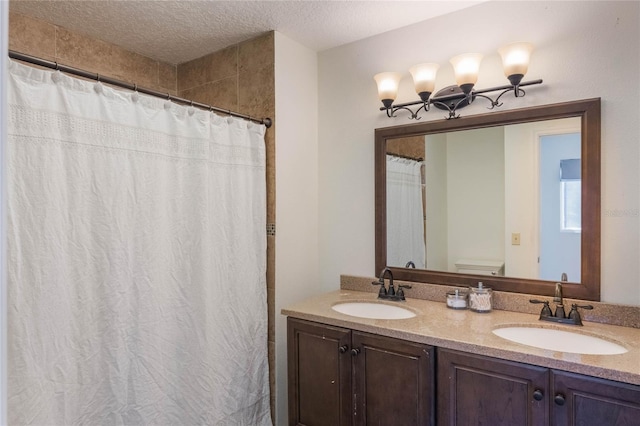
(424, 79)
(466, 69)
(515, 60)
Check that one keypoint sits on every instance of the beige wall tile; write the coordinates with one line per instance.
(256, 94)
(271, 178)
(271, 302)
(221, 93)
(104, 58)
(272, 378)
(167, 78)
(213, 67)
(256, 53)
(271, 255)
(256, 77)
(47, 41)
(32, 36)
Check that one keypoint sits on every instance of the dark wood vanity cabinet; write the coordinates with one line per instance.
(343, 377)
(393, 381)
(319, 372)
(588, 401)
(479, 390)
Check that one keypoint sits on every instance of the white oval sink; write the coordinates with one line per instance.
(373, 310)
(559, 340)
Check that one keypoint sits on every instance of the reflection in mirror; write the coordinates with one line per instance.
(491, 201)
(509, 198)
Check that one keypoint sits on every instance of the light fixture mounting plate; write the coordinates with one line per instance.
(456, 93)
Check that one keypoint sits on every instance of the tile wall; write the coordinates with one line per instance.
(55, 43)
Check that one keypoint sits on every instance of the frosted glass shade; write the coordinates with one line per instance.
(466, 68)
(424, 77)
(388, 85)
(515, 59)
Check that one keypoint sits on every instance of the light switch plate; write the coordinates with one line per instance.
(515, 239)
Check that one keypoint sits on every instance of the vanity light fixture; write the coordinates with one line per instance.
(515, 62)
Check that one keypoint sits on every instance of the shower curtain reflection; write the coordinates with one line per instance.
(405, 212)
(137, 259)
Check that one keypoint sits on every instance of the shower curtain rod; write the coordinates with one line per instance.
(119, 83)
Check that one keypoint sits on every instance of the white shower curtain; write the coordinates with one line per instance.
(405, 213)
(137, 258)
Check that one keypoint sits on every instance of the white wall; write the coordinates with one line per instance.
(475, 195)
(583, 50)
(436, 207)
(296, 127)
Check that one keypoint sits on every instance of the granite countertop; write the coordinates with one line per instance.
(464, 330)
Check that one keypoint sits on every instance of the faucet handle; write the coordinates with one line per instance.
(575, 315)
(587, 307)
(383, 290)
(546, 310)
(400, 292)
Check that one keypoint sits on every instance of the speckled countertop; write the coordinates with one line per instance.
(464, 330)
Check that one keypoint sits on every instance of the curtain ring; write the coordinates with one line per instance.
(168, 96)
(135, 87)
(57, 66)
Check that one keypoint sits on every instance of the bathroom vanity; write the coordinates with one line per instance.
(340, 376)
(446, 367)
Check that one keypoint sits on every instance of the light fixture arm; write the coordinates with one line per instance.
(458, 99)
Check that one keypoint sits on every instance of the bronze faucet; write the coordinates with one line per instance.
(390, 294)
(560, 316)
(557, 299)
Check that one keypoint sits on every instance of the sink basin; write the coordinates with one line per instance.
(560, 340)
(373, 310)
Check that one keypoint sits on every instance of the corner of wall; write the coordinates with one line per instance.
(297, 262)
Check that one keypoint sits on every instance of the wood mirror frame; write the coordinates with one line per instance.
(589, 111)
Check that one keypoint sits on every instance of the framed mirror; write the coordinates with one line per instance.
(481, 213)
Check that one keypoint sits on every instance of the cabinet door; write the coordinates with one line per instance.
(319, 374)
(393, 381)
(589, 401)
(478, 390)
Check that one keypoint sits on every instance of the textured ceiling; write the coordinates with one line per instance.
(178, 31)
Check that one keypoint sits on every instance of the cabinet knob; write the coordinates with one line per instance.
(538, 395)
(343, 348)
(559, 399)
(355, 351)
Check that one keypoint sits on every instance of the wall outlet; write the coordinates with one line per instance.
(515, 239)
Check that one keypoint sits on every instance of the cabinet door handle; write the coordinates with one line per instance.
(559, 399)
(355, 351)
(538, 395)
(343, 348)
